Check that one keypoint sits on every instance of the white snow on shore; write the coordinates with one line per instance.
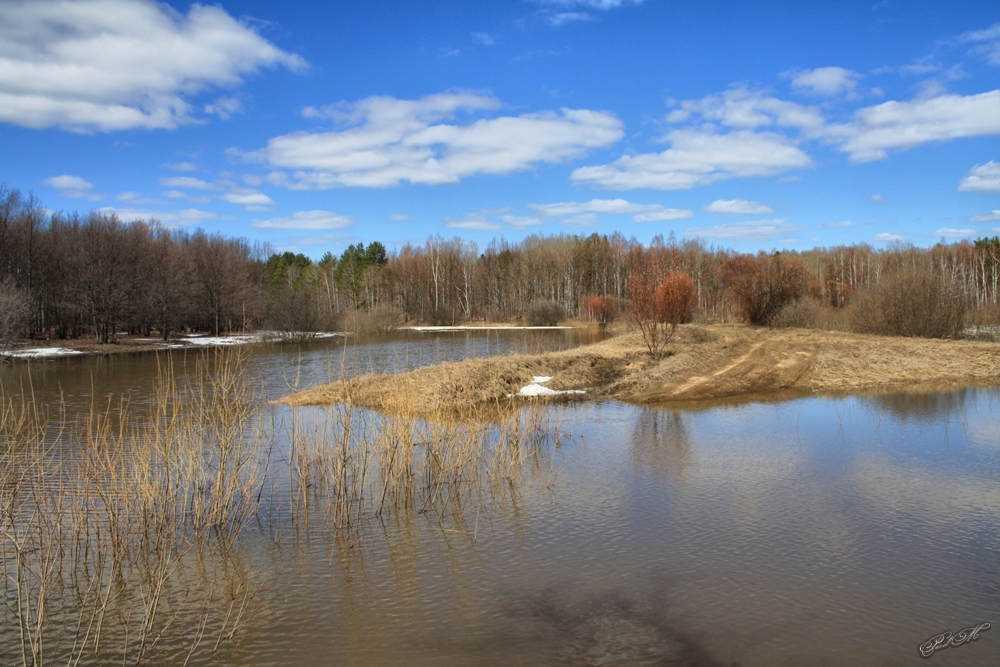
(36, 352)
(536, 388)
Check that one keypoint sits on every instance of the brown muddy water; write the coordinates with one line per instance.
(813, 531)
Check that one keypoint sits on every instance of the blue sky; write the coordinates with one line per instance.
(316, 125)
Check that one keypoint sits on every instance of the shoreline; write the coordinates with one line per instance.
(52, 349)
(704, 363)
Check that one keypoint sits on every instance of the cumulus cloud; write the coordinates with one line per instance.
(835, 225)
(756, 230)
(903, 125)
(744, 109)
(572, 211)
(828, 81)
(878, 199)
(738, 207)
(107, 65)
(399, 217)
(307, 220)
(386, 141)
(251, 201)
(72, 186)
(182, 218)
(182, 166)
(886, 237)
(983, 178)
(698, 158)
(988, 216)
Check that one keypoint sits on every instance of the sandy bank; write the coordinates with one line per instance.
(706, 362)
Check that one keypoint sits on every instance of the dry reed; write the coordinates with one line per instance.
(120, 534)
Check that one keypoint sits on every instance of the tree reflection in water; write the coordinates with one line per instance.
(661, 443)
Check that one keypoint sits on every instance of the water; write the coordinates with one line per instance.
(813, 531)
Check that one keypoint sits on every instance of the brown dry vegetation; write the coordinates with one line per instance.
(705, 362)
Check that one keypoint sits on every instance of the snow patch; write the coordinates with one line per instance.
(35, 352)
(536, 388)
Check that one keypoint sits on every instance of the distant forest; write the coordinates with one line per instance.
(69, 275)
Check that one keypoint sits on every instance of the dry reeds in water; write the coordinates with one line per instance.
(121, 534)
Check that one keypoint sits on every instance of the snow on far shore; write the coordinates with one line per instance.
(259, 337)
(35, 352)
(536, 388)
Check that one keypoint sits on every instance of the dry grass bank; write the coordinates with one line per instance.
(706, 361)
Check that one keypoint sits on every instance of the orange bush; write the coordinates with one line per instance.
(658, 312)
(603, 309)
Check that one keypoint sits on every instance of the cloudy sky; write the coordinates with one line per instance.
(316, 125)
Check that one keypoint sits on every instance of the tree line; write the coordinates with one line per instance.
(66, 275)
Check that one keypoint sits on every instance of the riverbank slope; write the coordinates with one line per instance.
(704, 362)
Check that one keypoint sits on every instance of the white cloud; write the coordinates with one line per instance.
(187, 182)
(904, 125)
(522, 222)
(67, 182)
(478, 220)
(182, 166)
(949, 233)
(308, 220)
(72, 186)
(175, 194)
(252, 201)
(983, 178)
(738, 207)
(829, 81)
(878, 199)
(988, 41)
(181, 218)
(887, 236)
(387, 141)
(562, 18)
(698, 158)
(108, 65)
(745, 231)
(309, 243)
(603, 5)
(484, 38)
(639, 212)
(988, 216)
(744, 109)
(224, 107)
(835, 225)
(399, 217)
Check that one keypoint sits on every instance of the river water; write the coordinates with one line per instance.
(810, 531)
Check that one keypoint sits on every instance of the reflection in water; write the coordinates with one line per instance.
(660, 441)
(925, 406)
(799, 524)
